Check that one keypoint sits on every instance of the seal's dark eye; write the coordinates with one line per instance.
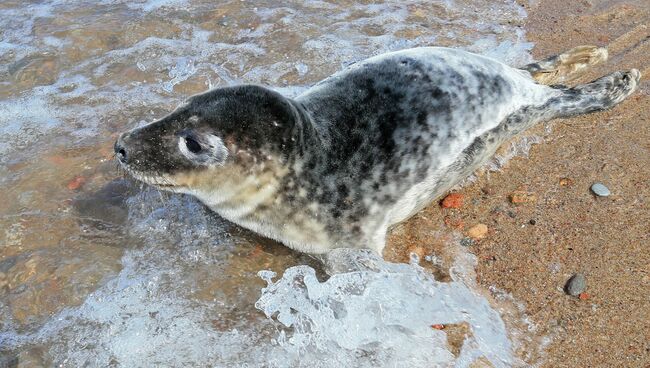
(192, 145)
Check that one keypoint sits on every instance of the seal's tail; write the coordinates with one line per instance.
(566, 66)
(601, 94)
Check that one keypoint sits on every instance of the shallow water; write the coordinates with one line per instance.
(97, 270)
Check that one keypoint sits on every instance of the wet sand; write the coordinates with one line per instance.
(533, 248)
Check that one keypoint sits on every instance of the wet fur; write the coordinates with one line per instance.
(361, 150)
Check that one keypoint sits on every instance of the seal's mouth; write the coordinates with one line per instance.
(160, 181)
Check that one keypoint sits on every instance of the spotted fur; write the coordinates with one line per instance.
(358, 152)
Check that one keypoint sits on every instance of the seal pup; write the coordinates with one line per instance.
(361, 150)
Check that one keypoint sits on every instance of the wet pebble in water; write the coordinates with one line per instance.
(576, 284)
(76, 183)
(600, 190)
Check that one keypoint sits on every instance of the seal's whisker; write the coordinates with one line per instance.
(160, 194)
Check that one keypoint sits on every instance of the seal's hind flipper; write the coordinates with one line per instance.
(566, 66)
(601, 94)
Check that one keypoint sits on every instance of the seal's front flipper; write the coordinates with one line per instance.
(566, 66)
(601, 94)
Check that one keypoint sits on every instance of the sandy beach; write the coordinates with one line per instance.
(533, 248)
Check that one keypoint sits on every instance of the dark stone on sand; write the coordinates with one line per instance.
(467, 242)
(600, 190)
(576, 284)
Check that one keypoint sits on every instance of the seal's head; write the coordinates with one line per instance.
(215, 143)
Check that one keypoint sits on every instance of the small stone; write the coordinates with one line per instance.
(466, 242)
(478, 231)
(566, 182)
(487, 190)
(600, 190)
(532, 222)
(452, 200)
(576, 284)
(583, 296)
(438, 326)
(520, 197)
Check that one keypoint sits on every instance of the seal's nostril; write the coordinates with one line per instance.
(120, 152)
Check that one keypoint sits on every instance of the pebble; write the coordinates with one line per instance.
(452, 200)
(566, 182)
(600, 190)
(576, 284)
(466, 242)
(488, 190)
(519, 197)
(532, 222)
(478, 231)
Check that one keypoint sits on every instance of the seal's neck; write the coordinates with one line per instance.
(306, 133)
(260, 202)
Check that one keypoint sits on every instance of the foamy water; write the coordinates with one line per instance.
(107, 272)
